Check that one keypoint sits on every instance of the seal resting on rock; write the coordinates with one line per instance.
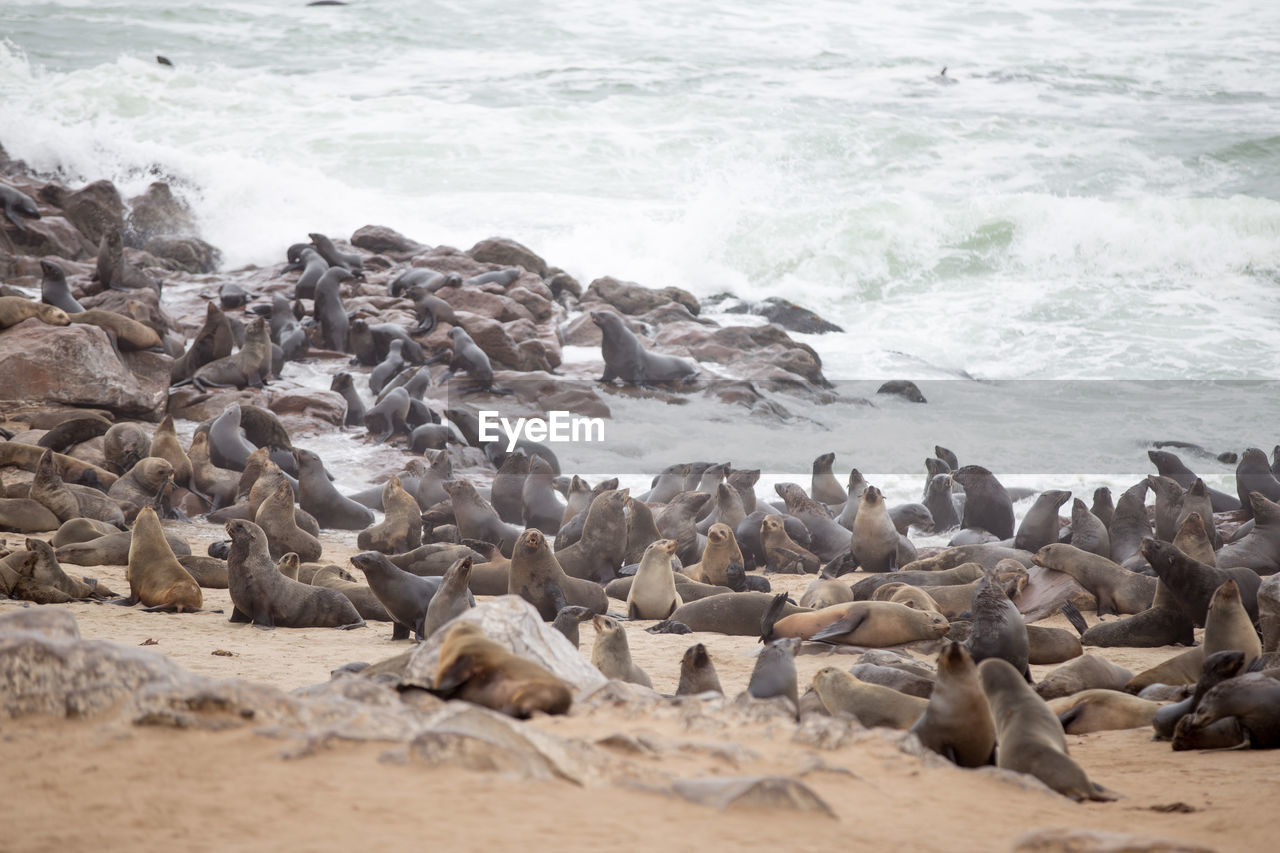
(476, 669)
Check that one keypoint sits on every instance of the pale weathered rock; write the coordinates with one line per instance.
(1269, 613)
(1099, 841)
(753, 793)
(76, 365)
(513, 622)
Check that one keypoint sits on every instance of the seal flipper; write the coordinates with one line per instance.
(126, 602)
(399, 632)
(770, 616)
(847, 625)
(1075, 617)
(669, 626)
(238, 615)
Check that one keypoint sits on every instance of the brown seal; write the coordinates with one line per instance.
(452, 599)
(15, 309)
(476, 669)
(735, 613)
(535, 575)
(871, 704)
(612, 655)
(275, 516)
(1252, 699)
(263, 596)
(249, 367)
(145, 484)
(1228, 626)
(360, 595)
(721, 555)
(125, 332)
(641, 530)
(1029, 735)
(212, 342)
(477, 519)
(318, 496)
(782, 553)
(81, 530)
(156, 578)
(874, 541)
(653, 593)
(1116, 589)
(1102, 710)
(1083, 673)
(998, 630)
(219, 485)
(825, 592)
(860, 623)
(697, 673)
(824, 486)
(401, 527)
(165, 445)
(598, 554)
(957, 721)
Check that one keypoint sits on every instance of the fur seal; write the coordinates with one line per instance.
(1117, 590)
(874, 542)
(332, 577)
(1218, 667)
(568, 619)
(698, 673)
(541, 507)
(508, 485)
(466, 356)
(275, 515)
(1253, 474)
(872, 704)
(827, 539)
(390, 415)
(401, 527)
(477, 519)
(218, 484)
(612, 655)
(984, 554)
(641, 530)
(774, 673)
(965, 573)
(54, 289)
(536, 576)
(324, 246)
(653, 593)
(998, 629)
(678, 520)
(598, 554)
(1169, 465)
(861, 623)
(452, 599)
(15, 309)
(1252, 699)
(1051, 645)
(986, 502)
(720, 558)
(48, 489)
(626, 359)
(405, 596)
(1040, 525)
(1086, 672)
(17, 206)
(782, 553)
(957, 722)
(1191, 585)
(313, 267)
(476, 669)
(263, 596)
(824, 486)
(156, 578)
(1030, 738)
(330, 314)
(1228, 627)
(81, 530)
(165, 445)
(214, 341)
(1101, 710)
(318, 496)
(938, 500)
(249, 367)
(735, 613)
(343, 384)
(144, 483)
(825, 592)
(1260, 548)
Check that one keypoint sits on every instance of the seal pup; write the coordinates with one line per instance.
(1218, 667)
(452, 599)
(405, 596)
(871, 704)
(268, 599)
(627, 360)
(720, 558)
(1102, 508)
(986, 502)
(326, 504)
(860, 623)
(612, 655)
(54, 289)
(401, 527)
(774, 673)
(15, 309)
(568, 620)
(1252, 699)
(957, 722)
(998, 630)
(825, 592)
(1030, 739)
(874, 541)
(782, 553)
(824, 486)
(536, 576)
(17, 205)
(653, 593)
(156, 578)
(479, 670)
(697, 673)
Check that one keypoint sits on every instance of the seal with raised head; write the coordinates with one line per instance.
(720, 558)
(1169, 465)
(1260, 548)
(697, 673)
(998, 630)
(611, 653)
(1218, 667)
(871, 704)
(330, 314)
(249, 367)
(782, 553)
(986, 502)
(653, 593)
(874, 541)
(156, 578)
(1252, 699)
(957, 722)
(401, 527)
(1030, 738)
(317, 496)
(536, 576)
(268, 599)
(1117, 590)
(824, 486)
(54, 289)
(452, 599)
(479, 670)
(405, 595)
(275, 516)
(165, 445)
(774, 673)
(626, 359)
(212, 342)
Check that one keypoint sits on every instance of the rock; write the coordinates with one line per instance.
(189, 403)
(672, 312)
(904, 388)
(631, 298)
(49, 622)
(141, 304)
(491, 337)
(1098, 841)
(190, 254)
(94, 209)
(539, 307)
(513, 622)
(560, 282)
(492, 305)
(508, 253)
(761, 353)
(753, 793)
(76, 365)
(784, 313)
(50, 235)
(1269, 613)
(157, 213)
(314, 404)
(380, 239)
(447, 259)
(477, 738)
(582, 331)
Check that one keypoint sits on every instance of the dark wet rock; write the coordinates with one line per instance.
(76, 365)
(157, 213)
(380, 239)
(561, 282)
(785, 313)
(508, 253)
(631, 298)
(904, 388)
(189, 254)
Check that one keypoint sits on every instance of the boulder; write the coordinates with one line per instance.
(94, 209)
(157, 213)
(380, 239)
(491, 337)
(50, 235)
(189, 254)
(631, 298)
(786, 314)
(504, 309)
(560, 282)
(76, 365)
(508, 253)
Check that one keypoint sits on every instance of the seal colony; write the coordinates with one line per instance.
(945, 639)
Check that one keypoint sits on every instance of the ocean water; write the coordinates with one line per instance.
(1090, 192)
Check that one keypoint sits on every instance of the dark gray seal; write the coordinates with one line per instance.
(330, 253)
(1169, 465)
(17, 205)
(1040, 525)
(626, 359)
(344, 385)
(405, 596)
(330, 313)
(986, 503)
(998, 630)
(317, 496)
(54, 288)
